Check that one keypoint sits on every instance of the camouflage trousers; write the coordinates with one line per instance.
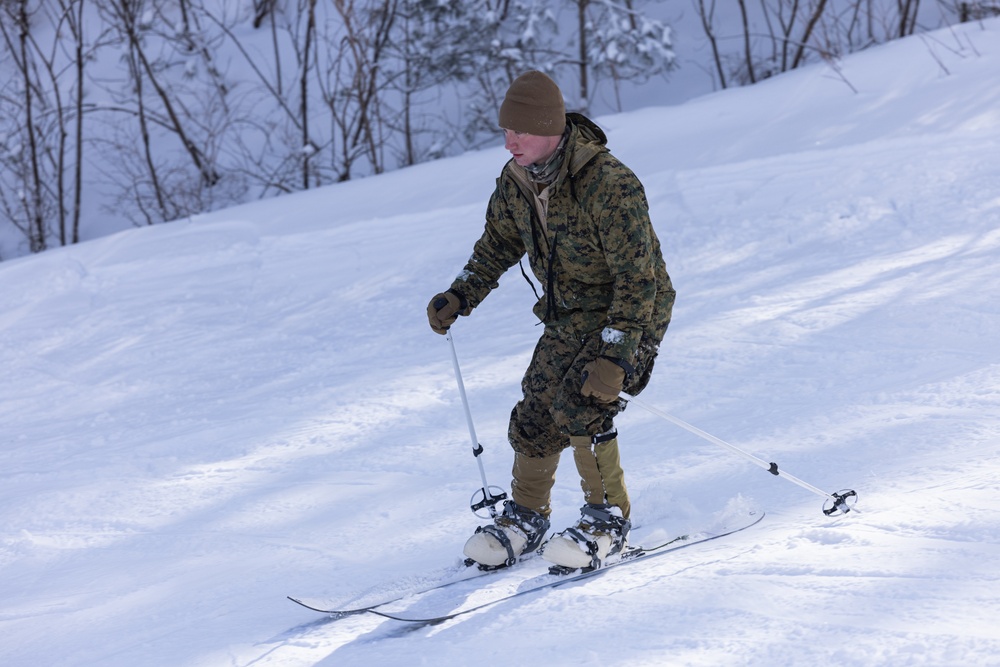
(554, 415)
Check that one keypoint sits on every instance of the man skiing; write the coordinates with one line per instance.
(582, 219)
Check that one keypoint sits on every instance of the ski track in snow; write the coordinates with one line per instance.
(203, 417)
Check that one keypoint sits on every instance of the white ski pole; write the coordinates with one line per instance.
(837, 503)
(485, 496)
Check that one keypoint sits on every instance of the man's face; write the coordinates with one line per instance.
(529, 148)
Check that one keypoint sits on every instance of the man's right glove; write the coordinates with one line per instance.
(603, 379)
(444, 309)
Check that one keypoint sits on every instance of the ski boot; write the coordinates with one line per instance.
(517, 531)
(601, 532)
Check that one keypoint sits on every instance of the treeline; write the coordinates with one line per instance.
(155, 110)
(774, 36)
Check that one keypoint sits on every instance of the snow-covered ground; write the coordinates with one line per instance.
(203, 417)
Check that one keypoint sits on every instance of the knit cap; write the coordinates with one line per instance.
(533, 105)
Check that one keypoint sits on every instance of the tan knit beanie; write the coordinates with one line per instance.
(534, 105)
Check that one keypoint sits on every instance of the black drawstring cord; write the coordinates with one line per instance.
(530, 281)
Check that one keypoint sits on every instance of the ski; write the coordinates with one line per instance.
(524, 585)
(462, 573)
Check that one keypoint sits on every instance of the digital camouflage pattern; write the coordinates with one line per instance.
(594, 252)
(590, 243)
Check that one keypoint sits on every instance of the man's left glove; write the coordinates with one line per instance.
(444, 309)
(603, 379)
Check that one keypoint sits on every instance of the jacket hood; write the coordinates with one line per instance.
(586, 140)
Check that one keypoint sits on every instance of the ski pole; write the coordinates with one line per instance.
(487, 499)
(837, 503)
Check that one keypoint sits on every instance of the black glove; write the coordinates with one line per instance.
(444, 309)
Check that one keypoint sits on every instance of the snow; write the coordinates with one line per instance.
(203, 417)
(612, 336)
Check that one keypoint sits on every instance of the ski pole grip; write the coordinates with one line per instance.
(440, 303)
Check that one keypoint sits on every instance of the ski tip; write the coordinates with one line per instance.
(308, 604)
(298, 601)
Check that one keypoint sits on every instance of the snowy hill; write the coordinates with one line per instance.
(203, 417)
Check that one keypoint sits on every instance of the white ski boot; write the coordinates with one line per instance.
(517, 531)
(601, 532)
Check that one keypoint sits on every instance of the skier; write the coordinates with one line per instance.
(582, 219)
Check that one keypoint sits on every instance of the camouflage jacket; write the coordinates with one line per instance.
(592, 248)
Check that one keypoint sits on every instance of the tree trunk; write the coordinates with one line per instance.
(582, 28)
(813, 20)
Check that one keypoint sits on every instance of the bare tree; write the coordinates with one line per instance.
(907, 16)
(353, 82)
(441, 47)
(801, 31)
(261, 10)
(707, 16)
(264, 145)
(582, 36)
(174, 102)
(28, 208)
(746, 41)
(976, 10)
(126, 13)
(73, 13)
(816, 14)
(307, 58)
